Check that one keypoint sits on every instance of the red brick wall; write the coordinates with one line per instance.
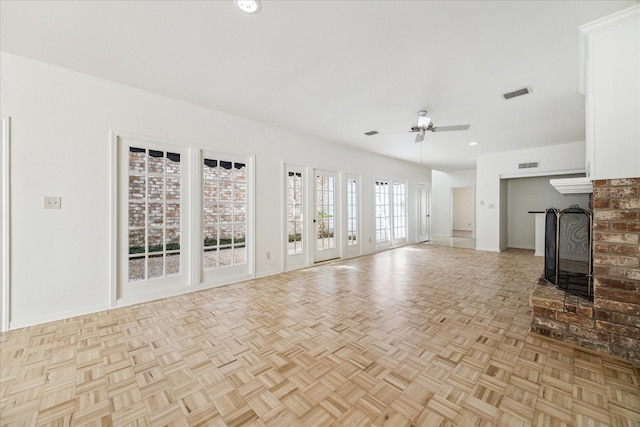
(611, 323)
(616, 258)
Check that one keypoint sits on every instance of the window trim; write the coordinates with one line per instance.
(241, 272)
(191, 263)
(354, 249)
(296, 260)
(124, 292)
(395, 239)
(388, 182)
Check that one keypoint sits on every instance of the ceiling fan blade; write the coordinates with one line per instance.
(376, 132)
(399, 132)
(450, 128)
(419, 136)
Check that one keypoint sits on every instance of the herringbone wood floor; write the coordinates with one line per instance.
(421, 335)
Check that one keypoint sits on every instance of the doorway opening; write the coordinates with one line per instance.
(424, 214)
(462, 212)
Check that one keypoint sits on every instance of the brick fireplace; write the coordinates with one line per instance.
(611, 322)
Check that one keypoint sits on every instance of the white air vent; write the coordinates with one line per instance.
(371, 133)
(518, 92)
(530, 165)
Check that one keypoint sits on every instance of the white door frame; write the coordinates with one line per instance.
(354, 249)
(298, 260)
(5, 231)
(452, 204)
(424, 212)
(320, 255)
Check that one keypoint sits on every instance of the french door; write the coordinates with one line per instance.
(424, 214)
(327, 216)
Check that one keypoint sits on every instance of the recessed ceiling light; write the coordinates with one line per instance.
(249, 6)
(473, 143)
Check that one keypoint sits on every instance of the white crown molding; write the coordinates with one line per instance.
(589, 29)
(572, 185)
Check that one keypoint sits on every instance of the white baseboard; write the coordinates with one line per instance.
(52, 317)
(487, 249)
(172, 292)
(440, 236)
(268, 273)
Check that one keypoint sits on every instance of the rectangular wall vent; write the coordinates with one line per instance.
(530, 165)
(517, 92)
(371, 133)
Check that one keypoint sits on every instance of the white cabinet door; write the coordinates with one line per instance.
(613, 95)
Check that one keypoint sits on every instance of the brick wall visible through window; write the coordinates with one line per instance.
(224, 213)
(154, 181)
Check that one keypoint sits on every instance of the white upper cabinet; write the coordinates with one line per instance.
(609, 78)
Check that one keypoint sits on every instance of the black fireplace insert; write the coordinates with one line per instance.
(568, 261)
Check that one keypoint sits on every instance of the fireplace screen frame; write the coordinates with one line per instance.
(580, 274)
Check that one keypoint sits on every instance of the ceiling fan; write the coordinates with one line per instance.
(426, 125)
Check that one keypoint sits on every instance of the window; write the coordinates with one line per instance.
(170, 237)
(391, 212)
(224, 204)
(154, 204)
(294, 212)
(352, 211)
(325, 207)
(383, 229)
(399, 211)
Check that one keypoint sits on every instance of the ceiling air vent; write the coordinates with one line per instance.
(517, 92)
(371, 133)
(530, 165)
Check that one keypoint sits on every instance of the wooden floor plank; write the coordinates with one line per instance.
(422, 335)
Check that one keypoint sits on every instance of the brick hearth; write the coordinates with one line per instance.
(611, 323)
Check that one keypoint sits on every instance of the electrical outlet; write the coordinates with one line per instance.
(52, 202)
(268, 255)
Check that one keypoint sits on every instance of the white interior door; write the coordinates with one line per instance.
(424, 226)
(327, 216)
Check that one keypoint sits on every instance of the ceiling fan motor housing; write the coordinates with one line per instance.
(423, 120)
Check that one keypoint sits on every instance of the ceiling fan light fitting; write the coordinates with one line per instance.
(423, 122)
(248, 6)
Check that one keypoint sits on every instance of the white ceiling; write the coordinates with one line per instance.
(336, 69)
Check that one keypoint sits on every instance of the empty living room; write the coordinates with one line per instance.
(320, 213)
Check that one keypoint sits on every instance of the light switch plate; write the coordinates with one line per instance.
(52, 202)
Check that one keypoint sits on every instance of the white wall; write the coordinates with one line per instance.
(462, 201)
(534, 194)
(61, 124)
(554, 160)
(442, 185)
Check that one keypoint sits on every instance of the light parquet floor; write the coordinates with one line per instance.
(421, 335)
